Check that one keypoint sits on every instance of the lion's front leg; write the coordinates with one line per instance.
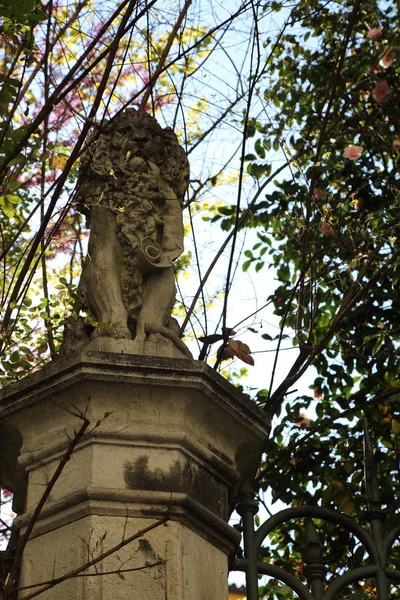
(158, 300)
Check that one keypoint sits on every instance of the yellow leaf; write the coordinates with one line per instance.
(396, 426)
(347, 505)
(59, 161)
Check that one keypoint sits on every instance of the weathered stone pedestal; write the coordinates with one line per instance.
(178, 442)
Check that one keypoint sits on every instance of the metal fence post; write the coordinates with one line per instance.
(247, 509)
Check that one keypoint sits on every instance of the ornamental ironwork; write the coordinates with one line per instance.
(375, 540)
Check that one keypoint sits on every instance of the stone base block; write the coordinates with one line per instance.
(171, 561)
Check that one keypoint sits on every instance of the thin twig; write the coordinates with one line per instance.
(47, 321)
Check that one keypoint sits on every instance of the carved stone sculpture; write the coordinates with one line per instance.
(131, 188)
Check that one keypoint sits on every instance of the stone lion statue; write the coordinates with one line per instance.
(133, 178)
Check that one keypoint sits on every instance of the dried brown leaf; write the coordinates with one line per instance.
(227, 353)
(241, 350)
(246, 358)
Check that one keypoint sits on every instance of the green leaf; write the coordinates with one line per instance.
(246, 265)
(12, 198)
(260, 148)
(8, 210)
(259, 266)
(14, 82)
(257, 170)
(267, 144)
(347, 505)
(14, 357)
(226, 224)
(396, 426)
(6, 97)
(250, 130)
(378, 345)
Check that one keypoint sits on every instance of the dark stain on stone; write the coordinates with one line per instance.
(145, 546)
(138, 476)
(187, 478)
(151, 555)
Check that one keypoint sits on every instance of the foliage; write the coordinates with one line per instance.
(330, 230)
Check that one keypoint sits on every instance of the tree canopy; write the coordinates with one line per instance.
(331, 229)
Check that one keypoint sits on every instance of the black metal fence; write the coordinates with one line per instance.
(377, 542)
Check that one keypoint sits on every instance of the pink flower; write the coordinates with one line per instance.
(388, 59)
(374, 33)
(380, 91)
(326, 229)
(353, 152)
(396, 145)
(319, 194)
(303, 421)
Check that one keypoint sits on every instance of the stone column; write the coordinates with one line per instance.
(168, 438)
